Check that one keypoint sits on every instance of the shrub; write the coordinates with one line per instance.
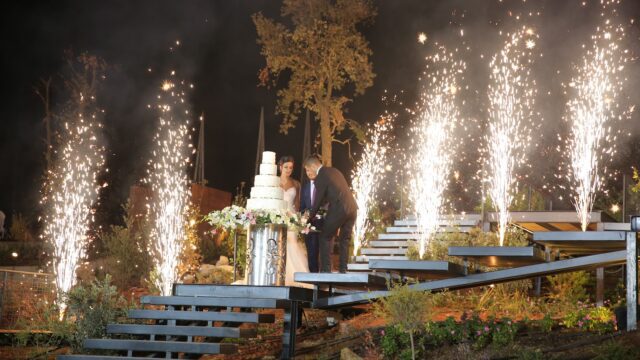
(127, 248)
(395, 343)
(600, 319)
(504, 332)
(92, 307)
(546, 323)
(481, 333)
(89, 309)
(568, 288)
(406, 308)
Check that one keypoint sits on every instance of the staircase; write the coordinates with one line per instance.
(197, 319)
(393, 244)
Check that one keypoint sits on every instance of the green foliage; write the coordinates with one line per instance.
(504, 332)
(323, 53)
(507, 298)
(445, 332)
(481, 333)
(546, 323)
(128, 258)
(636, 178)
(190, 258)
(226, 249)
(20, 228)
(568, 289)
(600, 319)
(406, 308)
(89, 309)
(92, 307)
(217, 276)
(395, 343)
(521, 200)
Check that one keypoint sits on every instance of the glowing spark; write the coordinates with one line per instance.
(366, 177)
(511, 98)
(592, 106)
(433, 141)
(167, 85)
(422, 38)
(169, 184)
(73, 190)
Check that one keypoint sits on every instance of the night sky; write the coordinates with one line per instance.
(219, 55)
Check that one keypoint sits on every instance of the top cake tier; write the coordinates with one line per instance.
(268, 157)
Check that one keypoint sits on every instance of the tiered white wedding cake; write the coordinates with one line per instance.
(266, 192)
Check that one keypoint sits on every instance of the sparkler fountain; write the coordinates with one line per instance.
(594, 88)
(169, 183)
(366, 176)
(72, 193)
(511, 100)
(432, 141)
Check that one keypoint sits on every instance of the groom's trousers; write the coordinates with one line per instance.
(332, 223)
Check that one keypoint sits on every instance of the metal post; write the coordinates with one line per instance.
(402, 196)
(529, 197)
(289, 333)
(235, 253)
(624, 198)
(632, 282)
(600, 286)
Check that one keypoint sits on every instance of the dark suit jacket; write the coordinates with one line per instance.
(305, 197)
(332, 189)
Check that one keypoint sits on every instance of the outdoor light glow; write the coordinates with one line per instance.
(433, 143)
(594, 90)
(422, 37)
(366, 176)
(511, 100)
(169, 184)
(72, 193)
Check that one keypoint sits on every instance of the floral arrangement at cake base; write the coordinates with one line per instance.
(234, 217)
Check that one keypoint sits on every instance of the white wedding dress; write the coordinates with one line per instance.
(296, 252)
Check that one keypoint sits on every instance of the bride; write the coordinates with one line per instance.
(296, 253)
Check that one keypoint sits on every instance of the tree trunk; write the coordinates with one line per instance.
(325, 136)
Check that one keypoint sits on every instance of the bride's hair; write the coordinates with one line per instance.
(285, 159)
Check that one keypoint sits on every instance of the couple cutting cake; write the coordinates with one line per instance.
(327, 191)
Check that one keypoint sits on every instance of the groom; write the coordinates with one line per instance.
(332, 189)
(307, 196)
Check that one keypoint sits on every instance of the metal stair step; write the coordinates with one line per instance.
(402, 229)
(366, 258)
(441, 223)
(208, 331)
(405, 236)
(358, 267)
(160, 346)
(390, 243)
(215, 302)
(383, 251)
(202, 316)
